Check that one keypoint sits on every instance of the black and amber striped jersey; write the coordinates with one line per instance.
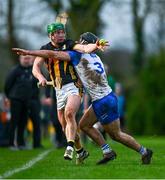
(61, 72)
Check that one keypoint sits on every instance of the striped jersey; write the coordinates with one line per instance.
(61, 72)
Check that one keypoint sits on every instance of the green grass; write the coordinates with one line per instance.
(127, 164)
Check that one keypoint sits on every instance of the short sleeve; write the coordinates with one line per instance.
(75, 57)
(43, 48)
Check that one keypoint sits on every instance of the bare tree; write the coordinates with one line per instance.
(138, 26)
(15, 18)
(12, 40)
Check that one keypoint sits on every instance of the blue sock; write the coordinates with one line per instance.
(142, 150)
(106, 149)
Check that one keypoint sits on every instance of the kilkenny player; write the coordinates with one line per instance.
(67, 85)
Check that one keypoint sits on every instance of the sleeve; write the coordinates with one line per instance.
(9, 82)
(74, 57)
(47, 46)
(43, 48)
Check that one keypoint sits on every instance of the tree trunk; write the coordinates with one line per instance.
(138, 25)
(12, 41)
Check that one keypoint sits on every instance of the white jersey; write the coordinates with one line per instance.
(92, 74)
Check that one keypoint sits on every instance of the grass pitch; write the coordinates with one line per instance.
(48, 163)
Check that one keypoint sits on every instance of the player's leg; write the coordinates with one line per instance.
(113, 129)
(61, 101)
(107, 113)
(86, 125)
(82, 154)
(68, 97)
(68, 102)
(71, 108)
(60, 139)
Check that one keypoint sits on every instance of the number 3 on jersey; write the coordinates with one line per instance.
(99, 67)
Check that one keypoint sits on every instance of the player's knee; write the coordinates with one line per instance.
(84, 127)
(116, 136)
(69, 114)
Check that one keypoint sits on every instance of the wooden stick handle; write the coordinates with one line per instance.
(48, 83)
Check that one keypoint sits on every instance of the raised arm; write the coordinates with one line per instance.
(88, 48)
(60, 55)
(85, 48)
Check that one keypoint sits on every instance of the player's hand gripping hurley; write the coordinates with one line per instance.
(48, 83)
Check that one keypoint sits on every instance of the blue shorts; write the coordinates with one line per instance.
(106, 109)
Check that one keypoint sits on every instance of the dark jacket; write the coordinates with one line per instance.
(19, 83)
(35, 89)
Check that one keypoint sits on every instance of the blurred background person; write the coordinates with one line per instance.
(18, 90)
(97, 125)
(22, 92)
(121, 104)
(110, 78)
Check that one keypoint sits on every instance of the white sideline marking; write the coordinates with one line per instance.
(25, 166)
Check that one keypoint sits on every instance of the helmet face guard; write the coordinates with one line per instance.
(51, 28)
(87, 38)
